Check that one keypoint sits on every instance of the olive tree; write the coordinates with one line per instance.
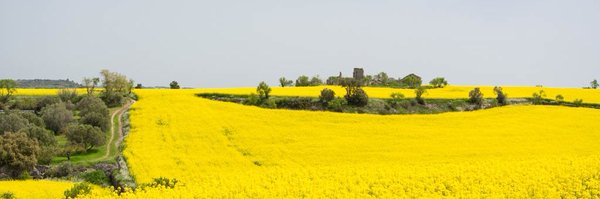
(12, 122)
(90, 84)
(56, 117)
(174, 85)
(84, 135)
(303, 81)
(116, 87)
(594, 84)
(283, 82)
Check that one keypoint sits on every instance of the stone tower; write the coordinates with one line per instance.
(359, 73)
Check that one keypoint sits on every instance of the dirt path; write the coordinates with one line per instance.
(118, 114)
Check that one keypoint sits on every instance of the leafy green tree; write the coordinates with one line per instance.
(326, 96)
(381, 79)
(174, 85)
(538, 97)
(7, 88)
(355, 95)
(90, 84)
(45, 101)
(594, 84)
(302, 81)
(96, 119)
(419, 92)
(500, 95)
(283, 82)
(92, 104)
(316, 81)
(476, 97)
(438, 82)
(12, 122)
(19, 152)
(263, 90)
(43, 136)
(116, 87)
(85, 135)
(56, 117)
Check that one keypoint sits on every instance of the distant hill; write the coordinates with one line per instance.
(46, 83)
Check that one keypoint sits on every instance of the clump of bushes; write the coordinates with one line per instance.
(476, 97)
(97, 177)
(326, 96)
(438, 82)
(500, 95)
(538, 97)
(78, 190)
(419, 92)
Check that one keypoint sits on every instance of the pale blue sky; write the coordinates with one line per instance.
(239, 43)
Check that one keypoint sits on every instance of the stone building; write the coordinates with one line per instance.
(358, 73)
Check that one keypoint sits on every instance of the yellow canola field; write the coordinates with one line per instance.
(35, 188)
(43, 91)
(570, 94)
(226, 150)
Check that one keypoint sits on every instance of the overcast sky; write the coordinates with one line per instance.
(239, 43)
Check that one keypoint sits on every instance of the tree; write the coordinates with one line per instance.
(12, 122)
(594, 84)
(263, 90)
(316, 81)
(44, 137)
(33, 119)
(438, 82)
(90, 84)
(96, 119)
(283, 82)
(355, 95)
(396, 98)
(116, 87)
(7, 88)
(476, 97)
(560, 98)
(85, 135)
(500, 95)
(138, 86)
(419, 92)
(302, 81)
(174, 85)
(66, 95)
(92, 104)
(381, 79)
(45, 101)
(56, 117)
(326, 96)
(538, 97)
(19, 152)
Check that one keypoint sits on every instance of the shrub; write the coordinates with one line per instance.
(45, 101)
(268, 103)
(263, 90)
(85, 135)
(396, 98)
(62, 170)
(500, 95)
(326, 96)
(18, 152)
(578, 102)
(56, 117)
(252, 99)
(66, 95)
(299, 103)
(560, 98)
(43, 136)
(419, 92)
(538, 97)
(97, 177)
(438, 82)
(594, 84)
(358, 98)
(164, 182)
(337, 104)
(33, 119)
(78, 190)
(476, 97)
(12, 122)
(7, 195)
